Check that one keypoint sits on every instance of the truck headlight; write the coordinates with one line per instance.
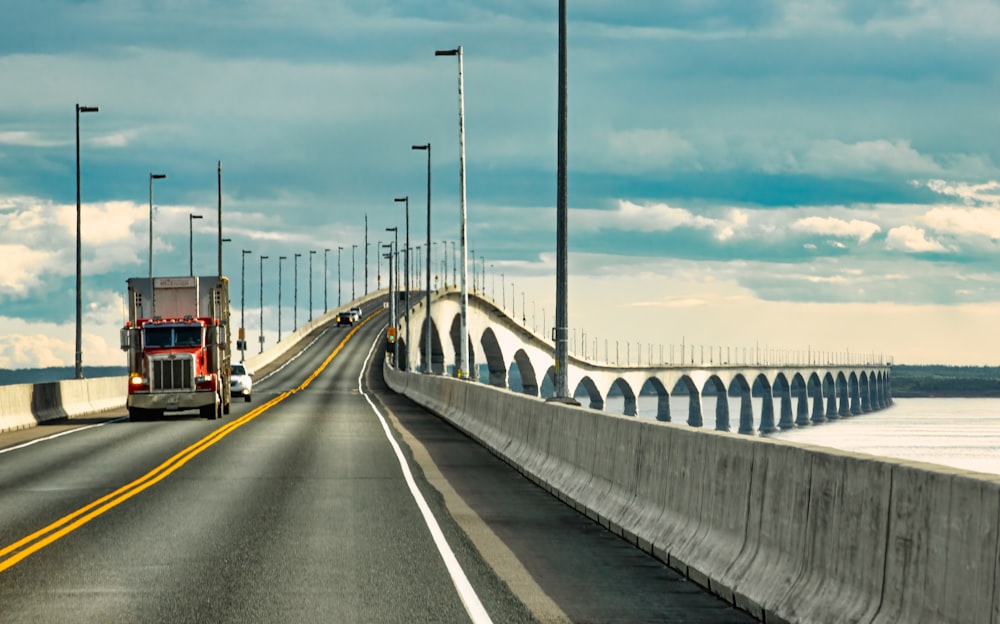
(136, 379)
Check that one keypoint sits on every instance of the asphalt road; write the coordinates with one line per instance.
(296, 508)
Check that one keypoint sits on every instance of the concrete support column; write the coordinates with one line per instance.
(721, 411)
(818, 413)
(663, 407)
(630, 405)
(856, 399)
(786, 421)
(801, 407)
(845, 405)
(767, 411)
(746, 413)
(695, 418)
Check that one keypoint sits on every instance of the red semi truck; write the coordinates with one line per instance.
(177, 341)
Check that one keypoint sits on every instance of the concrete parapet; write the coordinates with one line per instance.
(787, 532)
(26, 405)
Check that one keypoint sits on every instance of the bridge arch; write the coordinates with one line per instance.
(590, 390)
(455, 333)
(814, 390)
(495, 362)
(529, 382)
(630, 408)
(740, 387)
(763, 386)
(782, 388)
(686, 385)
(436, 364)
(714, 385)
(798, 389)
(654, 384)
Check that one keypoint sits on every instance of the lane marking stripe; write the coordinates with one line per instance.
(38, 540)
(473, 606)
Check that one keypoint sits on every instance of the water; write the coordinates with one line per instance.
(961, 433)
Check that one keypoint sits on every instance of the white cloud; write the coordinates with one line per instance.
(913, 239)
(659, 217)
(831, 226)
(833, 157)
(27, 139)
(982, 221)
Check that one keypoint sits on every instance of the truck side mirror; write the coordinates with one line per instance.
(125, 336)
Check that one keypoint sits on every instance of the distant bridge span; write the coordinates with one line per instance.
(812, 392)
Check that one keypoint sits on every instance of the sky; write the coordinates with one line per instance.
(800, 175)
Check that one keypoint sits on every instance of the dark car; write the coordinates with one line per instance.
(345, 318)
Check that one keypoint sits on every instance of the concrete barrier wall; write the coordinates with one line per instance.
(787, 532)
(26, 405)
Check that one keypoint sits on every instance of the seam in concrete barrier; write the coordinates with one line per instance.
(885, 543)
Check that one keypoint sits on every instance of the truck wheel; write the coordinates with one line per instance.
(246, 398)
(136, 414)
(210, 412)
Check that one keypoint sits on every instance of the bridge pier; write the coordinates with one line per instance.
(721, 412)
(694, 408)
(818, 413)
(801, 407)
(663, 407)
(767, 411)
(746, 413)
(845, 406)
(855, 400)
(785, 420)
(831, 404)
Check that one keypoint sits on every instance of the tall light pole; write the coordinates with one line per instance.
(392, 306)
(463, 366)
(354, 249)
(454, 265)
(243, 294)
(152, 176)
(261, 339)
(312, 252)
(221, 240)
(444, 251)
(280, 258)
(191, 218)
(295, 310)
(394, 279)
(366, 254)
(562, 225)
(339, 279)
(406, 274)
(428, 366)
(79, 291)
(378, 265)
(325, 280)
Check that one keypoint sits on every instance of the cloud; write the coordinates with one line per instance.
(964, 221)
(27, 139)
(659, 217)
(912, 239)
(834, 157)
(831, 226)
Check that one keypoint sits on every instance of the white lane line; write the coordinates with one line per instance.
(462, 585)
(57, 435)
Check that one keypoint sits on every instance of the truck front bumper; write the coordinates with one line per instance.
(171, 401)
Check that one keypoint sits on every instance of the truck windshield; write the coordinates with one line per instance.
(163, 337)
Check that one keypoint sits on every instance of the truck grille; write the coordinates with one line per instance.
(173, 374)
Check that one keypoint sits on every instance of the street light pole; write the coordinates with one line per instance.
(392, 306)
(464, 328)
(354, 249)
(262, 259)
(562, 224)
(339, 279)
(428, 364)
(243, 295)
(406, 273)
(311, 253)
(79, 272)
(295, 310)
(191, 218)
(152, 176)
(280, 258)
(395, 280)
(366, 254)
(325, 280)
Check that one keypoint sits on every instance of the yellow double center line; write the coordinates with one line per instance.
(27, 546)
